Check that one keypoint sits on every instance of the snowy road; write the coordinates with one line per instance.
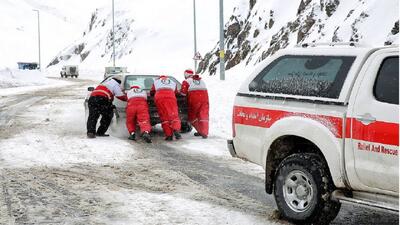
(51, 174)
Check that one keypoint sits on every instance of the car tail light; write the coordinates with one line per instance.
(233, 122)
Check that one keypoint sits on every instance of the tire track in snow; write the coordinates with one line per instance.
(8, 112)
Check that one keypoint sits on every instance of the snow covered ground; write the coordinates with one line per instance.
(51, 173)
(54, 140)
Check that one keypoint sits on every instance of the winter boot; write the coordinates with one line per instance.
(146, 137)
(197, 134)
(102, 135)
(132, 136)
(91, 135)
(168, 138)
(177, 135)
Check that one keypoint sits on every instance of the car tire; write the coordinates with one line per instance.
(186, 127)
(302, 190)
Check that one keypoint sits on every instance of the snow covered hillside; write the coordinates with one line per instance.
(258, 29)
(151, 36)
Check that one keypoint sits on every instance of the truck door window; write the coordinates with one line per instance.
(386, 88)
(319, 76)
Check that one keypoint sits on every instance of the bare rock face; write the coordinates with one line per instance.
(329, 6)
(395, 29)
(252, 3)
(253, 36)
(356, 36)
(393, 34)
(233, 30)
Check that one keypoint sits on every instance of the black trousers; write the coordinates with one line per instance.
(99, 106)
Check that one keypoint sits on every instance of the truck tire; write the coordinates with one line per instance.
(186, 127)
(302, 190)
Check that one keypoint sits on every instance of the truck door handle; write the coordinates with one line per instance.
(366, 118)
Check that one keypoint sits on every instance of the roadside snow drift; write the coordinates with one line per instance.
(16, 78)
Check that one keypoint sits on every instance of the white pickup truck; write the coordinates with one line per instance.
(323, 121)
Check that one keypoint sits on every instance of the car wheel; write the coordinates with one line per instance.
(303, 188)
(186, 127)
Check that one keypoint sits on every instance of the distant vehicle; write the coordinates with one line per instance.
(323, 121)
(114, 70)
(28, 65)
(146, 82)
(69, 71)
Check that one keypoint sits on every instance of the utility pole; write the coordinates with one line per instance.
(113, 33)
(195, 36)
(221, 40)
(38, 23)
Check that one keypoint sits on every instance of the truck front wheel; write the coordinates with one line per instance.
(303, 189)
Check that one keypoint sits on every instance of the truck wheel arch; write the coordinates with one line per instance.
(312, 138)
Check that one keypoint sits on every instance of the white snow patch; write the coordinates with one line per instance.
(210, 146)
(62, 144)
(33, 149)
(20, 81)
(154, 208)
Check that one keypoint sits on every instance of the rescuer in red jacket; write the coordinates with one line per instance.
(137, 110)
(100, 103)
(164, 91)
(198, 106)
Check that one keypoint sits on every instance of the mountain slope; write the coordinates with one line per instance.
(258, 29)
(151, 36)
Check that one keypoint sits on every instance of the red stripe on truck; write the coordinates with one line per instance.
(265, 118)
(380, 132)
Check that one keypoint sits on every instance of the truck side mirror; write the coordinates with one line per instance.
(90, 88)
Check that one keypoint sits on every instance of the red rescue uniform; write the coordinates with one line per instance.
(164, 90)
(137, 110)
(197, 96)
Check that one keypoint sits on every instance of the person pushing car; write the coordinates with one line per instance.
(198, 105)
(137, 110)
(100, 104)
(164, 91)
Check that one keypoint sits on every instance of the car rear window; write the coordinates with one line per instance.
(318, 76)
(144, 81)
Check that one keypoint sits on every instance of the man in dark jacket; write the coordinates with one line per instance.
(100, 104)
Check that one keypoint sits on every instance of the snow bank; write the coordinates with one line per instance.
(17, 78)
(22, 81)
(222, 95)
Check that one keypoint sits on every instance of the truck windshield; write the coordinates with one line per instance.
(319, 76)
